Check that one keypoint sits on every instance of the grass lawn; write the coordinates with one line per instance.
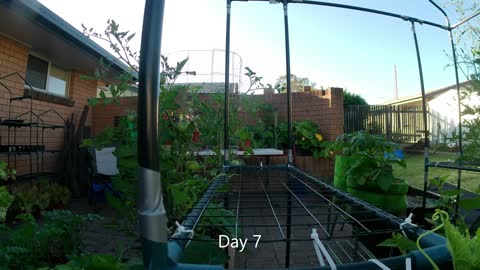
(415, 167)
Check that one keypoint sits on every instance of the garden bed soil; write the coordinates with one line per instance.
(98, 238)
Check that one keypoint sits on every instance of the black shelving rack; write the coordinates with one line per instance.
(34, 145)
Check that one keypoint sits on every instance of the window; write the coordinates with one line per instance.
(44, 76)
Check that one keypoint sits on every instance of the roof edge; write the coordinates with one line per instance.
(55, 23)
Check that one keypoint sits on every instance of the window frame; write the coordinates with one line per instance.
(41, 57)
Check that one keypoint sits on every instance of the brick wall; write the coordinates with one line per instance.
(322, 107)
(13, 58)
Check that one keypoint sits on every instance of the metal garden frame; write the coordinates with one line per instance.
(158, 253)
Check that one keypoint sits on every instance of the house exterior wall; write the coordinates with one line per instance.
(13, 58)
(444, 114)
(325, 109)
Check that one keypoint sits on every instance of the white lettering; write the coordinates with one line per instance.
(225, 241)
(242, 244)
(220, 238)
(258, 236)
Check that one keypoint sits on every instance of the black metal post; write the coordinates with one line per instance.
(227, 85)
(152, 215)
(460, 126)
(425, 123)
(289, 84)
(457, 82)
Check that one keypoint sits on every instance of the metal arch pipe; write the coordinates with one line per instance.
(151, 211)
(425, 124)
(289, 83)
(368, 10)
(459, 104)
(227, 85)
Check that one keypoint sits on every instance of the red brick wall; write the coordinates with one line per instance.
(13, 58)
(324, 109)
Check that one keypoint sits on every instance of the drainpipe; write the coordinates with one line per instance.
(151, 211)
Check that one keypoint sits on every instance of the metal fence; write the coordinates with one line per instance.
(398, 123)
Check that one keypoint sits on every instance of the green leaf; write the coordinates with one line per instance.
(469, 204)
(193, 165)
(451, 192)
(203, 252)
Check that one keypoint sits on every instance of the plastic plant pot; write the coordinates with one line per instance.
(394, 200)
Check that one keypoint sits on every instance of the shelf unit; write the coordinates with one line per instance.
(34, 145)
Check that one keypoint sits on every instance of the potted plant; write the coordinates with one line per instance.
(363, 167)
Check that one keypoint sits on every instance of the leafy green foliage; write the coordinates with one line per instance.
(204, 252)
(463, 248)
(400, 241)
(350, 98)
(447, 197)
(41, 196)
(6, 173)
(349, 143)
(207, 251)
(297, 83)
(28, 245)
(308, 137)
(306, 134)
(97, 262)
(372, 157)
(6, 200)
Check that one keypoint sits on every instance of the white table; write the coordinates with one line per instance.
(266, 152)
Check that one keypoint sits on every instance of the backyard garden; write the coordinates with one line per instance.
(44, 226)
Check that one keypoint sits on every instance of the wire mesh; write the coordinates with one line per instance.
(283, 206)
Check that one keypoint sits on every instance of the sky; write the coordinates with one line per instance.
(332, 47)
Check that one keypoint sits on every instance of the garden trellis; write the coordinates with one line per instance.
(299, 190)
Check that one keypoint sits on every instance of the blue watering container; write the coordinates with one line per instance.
(397, 153)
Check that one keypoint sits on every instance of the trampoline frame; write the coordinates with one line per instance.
(158, 252)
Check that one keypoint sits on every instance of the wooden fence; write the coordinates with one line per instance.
(402, 124)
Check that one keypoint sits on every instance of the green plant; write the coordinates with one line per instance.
(373, 167)
(97, 262)
(308, 137)
(59, 195)
(400, 241)
(6, 200)
(462, 247)
(5, 172)
(372, 159)
(350, 98)
(28, 245)
(349, 143)
(36, 198)
(41, 196)
(207, 251)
